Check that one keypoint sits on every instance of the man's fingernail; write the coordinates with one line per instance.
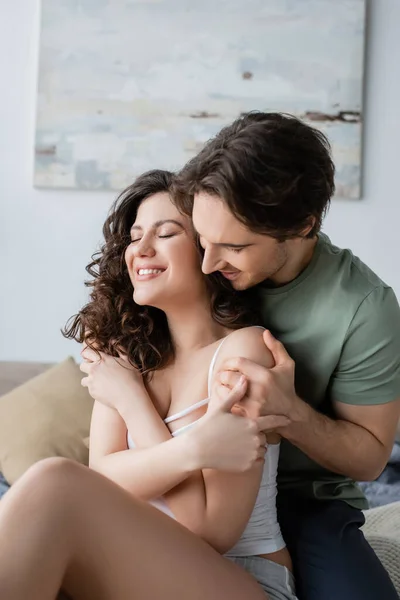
(242, 379)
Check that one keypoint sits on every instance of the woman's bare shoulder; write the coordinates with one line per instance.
(246, 343)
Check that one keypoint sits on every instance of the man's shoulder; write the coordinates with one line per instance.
(337, 290)
(345, 273)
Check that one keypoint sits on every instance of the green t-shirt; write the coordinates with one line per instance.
(341, 325)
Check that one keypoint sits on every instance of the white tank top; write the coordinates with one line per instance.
(262, 534)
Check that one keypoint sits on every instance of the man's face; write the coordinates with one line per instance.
(242, 256)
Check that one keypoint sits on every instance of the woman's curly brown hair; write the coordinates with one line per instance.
(111, 322)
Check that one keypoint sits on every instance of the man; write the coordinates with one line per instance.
(257, 193)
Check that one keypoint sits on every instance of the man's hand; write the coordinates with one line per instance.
(271, 392)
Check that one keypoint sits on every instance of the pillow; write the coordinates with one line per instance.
(47, 416)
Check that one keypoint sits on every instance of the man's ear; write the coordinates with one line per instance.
(310, 224)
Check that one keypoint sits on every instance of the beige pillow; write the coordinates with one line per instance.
(47, 416)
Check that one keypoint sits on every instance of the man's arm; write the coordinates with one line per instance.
(363, 389)
(357, 445)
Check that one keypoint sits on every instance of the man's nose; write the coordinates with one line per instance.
(211, 261)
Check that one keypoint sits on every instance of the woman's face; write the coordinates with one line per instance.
(162, 259)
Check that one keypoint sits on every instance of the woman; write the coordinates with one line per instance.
(90, 532)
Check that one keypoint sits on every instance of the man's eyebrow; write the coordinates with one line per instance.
(227, 245)
(159, 223)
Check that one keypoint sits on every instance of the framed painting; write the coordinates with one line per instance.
(129, 85)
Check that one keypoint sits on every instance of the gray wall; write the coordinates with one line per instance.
(46, 237)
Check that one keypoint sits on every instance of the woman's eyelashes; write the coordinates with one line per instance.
(162, 237)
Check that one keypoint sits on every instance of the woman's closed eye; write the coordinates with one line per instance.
(164, 235)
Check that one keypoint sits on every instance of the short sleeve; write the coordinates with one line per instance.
(369, 367)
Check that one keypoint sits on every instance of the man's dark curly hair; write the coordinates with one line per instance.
(111, 322)
(273, 171)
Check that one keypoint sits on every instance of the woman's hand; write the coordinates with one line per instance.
(226, 441)
(110, 381)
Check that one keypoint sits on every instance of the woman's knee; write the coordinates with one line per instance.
(51, 478)
(53, 467)
(49, 491)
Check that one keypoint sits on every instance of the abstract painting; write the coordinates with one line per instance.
(129, 85)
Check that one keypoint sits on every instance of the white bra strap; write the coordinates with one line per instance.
(192, 408)
(184, 428)
(186, 411)
(212, 365)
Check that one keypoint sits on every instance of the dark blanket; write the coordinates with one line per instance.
(386, 488)
(3, 485)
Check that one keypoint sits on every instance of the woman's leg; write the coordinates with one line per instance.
(65, 525)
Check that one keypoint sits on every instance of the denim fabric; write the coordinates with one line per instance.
(332, 560)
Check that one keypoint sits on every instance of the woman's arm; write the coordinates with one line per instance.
(118, 389)
(146, 472)
(159, 462)
(216, 505)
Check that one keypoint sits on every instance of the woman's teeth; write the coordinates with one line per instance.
(149, 271)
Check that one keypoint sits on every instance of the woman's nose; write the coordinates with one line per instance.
(144, 248)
